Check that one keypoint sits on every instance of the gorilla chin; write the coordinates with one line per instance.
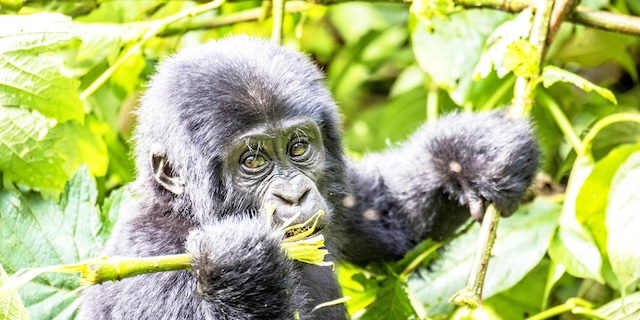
(231, 129)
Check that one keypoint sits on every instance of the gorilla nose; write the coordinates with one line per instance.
(293, 196)
(291, 192)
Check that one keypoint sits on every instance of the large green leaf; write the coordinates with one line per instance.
(553, 74)
(28, 76)
(12, 307)
(79, 144)
(522, 242)
(627, 308)
(573, 246)
(450, 53)
(38, 232)
(392, 302)
(623, 222)
(592, 200)
(26, 150)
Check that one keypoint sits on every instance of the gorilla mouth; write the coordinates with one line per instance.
(310, 230)
(305, 230)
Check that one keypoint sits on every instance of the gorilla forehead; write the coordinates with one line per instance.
(220, 89)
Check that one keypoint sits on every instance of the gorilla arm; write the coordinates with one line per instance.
(425, 187)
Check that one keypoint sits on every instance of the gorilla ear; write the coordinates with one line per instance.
(163, 173)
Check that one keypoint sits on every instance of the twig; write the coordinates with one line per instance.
(591, 18)
(232, 18)
(278, 20)
(155, 28)
(471, 295)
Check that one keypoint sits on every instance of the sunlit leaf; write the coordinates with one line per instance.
(521, 57)
(29, 77)
(26, 150)
(553, 74)
(592, 199)
(62, 233)
(392, 302)
(573, 246)
(496, 46)
(626, 308)
(12, 307)
(450, 53)
(623, 222)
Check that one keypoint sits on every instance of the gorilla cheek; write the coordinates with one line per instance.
(293, 195)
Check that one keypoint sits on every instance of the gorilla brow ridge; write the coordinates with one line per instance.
(298, 131)
(249, 141)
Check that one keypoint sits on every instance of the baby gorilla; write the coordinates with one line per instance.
(232, 128)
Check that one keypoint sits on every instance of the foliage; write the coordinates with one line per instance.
(71, 73)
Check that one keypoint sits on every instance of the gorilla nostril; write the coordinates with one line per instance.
(293, 197)
(286, 199)
(303, 197)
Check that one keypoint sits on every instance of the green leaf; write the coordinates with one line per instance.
(590, 47)
(450, 53)
(592, 199)
(425, 10)
(626, 308)
(358, 284)
(521, 243)
(392, 302)
(80, 145)
(573, 246)
(28, 76)
(35, 33)
(623, 222)
(401, 116)
(521, 57)
(12, 307)
(26, 150)
(62, 233)
(553, 74)
(99, 40)
(496, 45)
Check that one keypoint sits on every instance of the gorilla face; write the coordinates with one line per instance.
(239, 135)
(281, 163)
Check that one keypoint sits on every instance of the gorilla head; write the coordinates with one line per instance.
(249, 125)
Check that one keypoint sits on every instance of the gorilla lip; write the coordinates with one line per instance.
(306, 229)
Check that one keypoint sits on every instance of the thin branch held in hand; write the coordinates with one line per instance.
(303, 245)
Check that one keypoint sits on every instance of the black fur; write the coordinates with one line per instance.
(197, 105)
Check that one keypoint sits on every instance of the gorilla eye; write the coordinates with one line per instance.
(298, 147)
(253, 161)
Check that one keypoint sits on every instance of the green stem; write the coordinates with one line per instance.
(540, 29)
(499, 93)
(582, 15)
(618, 117)
(232, 18)
(155, 28)
(562, 121)
(572, 304)
(432, 102)
(278, 20)
(471, 295)
(117, 268)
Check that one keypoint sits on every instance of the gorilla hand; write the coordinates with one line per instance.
(240, 269)
(482, 157)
